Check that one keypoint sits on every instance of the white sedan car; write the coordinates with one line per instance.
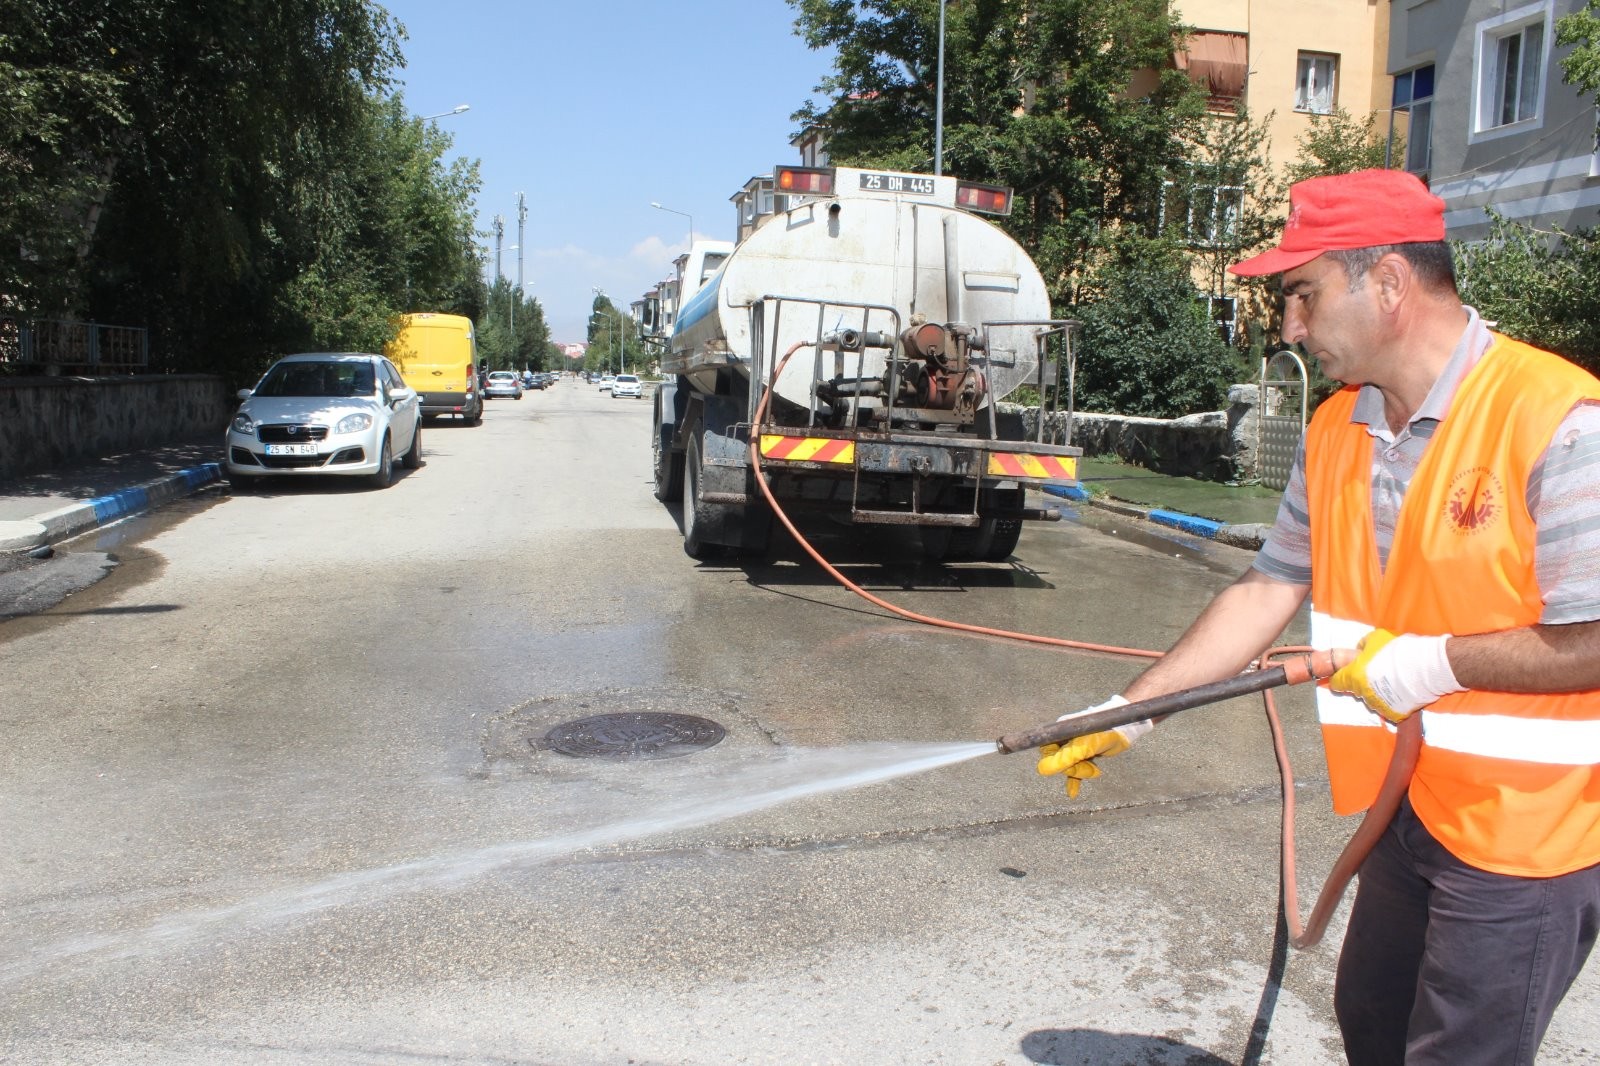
(627, 385)
(325, 413)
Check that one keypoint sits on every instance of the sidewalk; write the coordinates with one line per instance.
(43, 508)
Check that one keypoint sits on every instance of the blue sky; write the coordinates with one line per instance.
(594, 110)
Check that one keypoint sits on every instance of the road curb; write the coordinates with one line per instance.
(1247, 535)
(68, 521)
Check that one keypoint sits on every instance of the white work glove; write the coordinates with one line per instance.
(1394, 675)
(1075, 758)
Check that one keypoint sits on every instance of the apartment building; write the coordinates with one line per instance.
(1290, 59)
(1491, 123)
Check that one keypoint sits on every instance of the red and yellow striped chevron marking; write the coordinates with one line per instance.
(808, 449)
(1050, 467)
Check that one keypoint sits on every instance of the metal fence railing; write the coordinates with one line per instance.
(92, 347)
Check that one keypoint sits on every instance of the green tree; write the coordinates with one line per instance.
(1337, 144)
(613, 339)
(1148, 346)
(1073, 103)
(62, 122)
(1224, 201)
(242, 120)
(1581, 29)
(1542, 287)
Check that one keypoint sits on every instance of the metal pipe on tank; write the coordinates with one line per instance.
(952, 271)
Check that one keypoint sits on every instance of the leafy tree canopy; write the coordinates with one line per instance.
(1072, 103)
(1540, 287)
(238, 178)
(1581, 29)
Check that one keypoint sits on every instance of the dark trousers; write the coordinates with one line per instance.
(1448, 965)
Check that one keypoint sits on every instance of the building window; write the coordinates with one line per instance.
(1218, 63)
(1413, 98)
(1313, 83)
(1210, 212)
(1509, 66)
(1223, 311)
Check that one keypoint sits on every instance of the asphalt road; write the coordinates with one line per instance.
(273, 792)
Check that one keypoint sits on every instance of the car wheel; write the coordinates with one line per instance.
(382, 476)
(413, 458)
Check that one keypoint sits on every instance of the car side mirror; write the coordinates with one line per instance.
(243, 394)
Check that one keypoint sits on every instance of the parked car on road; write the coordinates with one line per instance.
(627, 385)
(503, 383)
(435, 355)
(606, 382)
(325, 413)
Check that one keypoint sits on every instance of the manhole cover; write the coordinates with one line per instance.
(634, 735)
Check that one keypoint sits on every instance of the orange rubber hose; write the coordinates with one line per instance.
(1401, 765)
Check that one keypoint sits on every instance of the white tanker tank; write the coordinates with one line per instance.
(914, 317)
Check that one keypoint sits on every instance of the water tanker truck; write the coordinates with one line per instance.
(883, 320)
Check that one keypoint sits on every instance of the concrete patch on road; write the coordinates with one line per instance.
(516, 739)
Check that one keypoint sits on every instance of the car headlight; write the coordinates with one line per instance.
(243, 423)
(353, 423)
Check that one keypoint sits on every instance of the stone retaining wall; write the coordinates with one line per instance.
(1214, 446)
(51, 421)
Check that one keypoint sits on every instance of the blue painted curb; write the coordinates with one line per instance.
(109, 508)
(75, 518)
(1200, 527)
(1203, 527)
(1070, 492)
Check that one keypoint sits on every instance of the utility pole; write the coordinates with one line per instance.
(522, 218)
(938, 107)
(499, 234)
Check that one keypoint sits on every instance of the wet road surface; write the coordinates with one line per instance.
(276, 791)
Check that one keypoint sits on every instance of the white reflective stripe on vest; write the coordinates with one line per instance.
(1334, 708)
(1504, 736)
(1328, 633)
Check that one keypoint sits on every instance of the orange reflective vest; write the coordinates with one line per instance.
(1507, 782)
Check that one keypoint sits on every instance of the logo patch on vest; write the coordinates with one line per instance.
(1476, 500)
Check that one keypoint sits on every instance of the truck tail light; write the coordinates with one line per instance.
(988, 199)
(806, 181)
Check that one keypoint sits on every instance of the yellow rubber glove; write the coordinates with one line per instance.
(1395, 675)
(1075, 758)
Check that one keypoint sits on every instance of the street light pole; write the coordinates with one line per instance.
(458, 109)
(598, 291)
(675, 211)
(938, 106)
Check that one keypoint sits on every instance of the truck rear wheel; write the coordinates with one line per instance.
(668, 465)
(694, 512)
(1003, 542)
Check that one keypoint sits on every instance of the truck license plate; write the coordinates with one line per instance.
(903, 183)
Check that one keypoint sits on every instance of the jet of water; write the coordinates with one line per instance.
(746, 790)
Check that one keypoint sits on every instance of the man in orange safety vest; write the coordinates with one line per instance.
(1442, 519)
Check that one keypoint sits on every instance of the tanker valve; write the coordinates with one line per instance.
(853, 340)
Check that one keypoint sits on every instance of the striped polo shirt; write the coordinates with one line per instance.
(1563, 491)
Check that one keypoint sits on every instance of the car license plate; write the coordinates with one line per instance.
(291, 449)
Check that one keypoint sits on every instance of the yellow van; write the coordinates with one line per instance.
(438, 356)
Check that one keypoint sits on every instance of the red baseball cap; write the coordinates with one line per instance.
(1342, 211)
